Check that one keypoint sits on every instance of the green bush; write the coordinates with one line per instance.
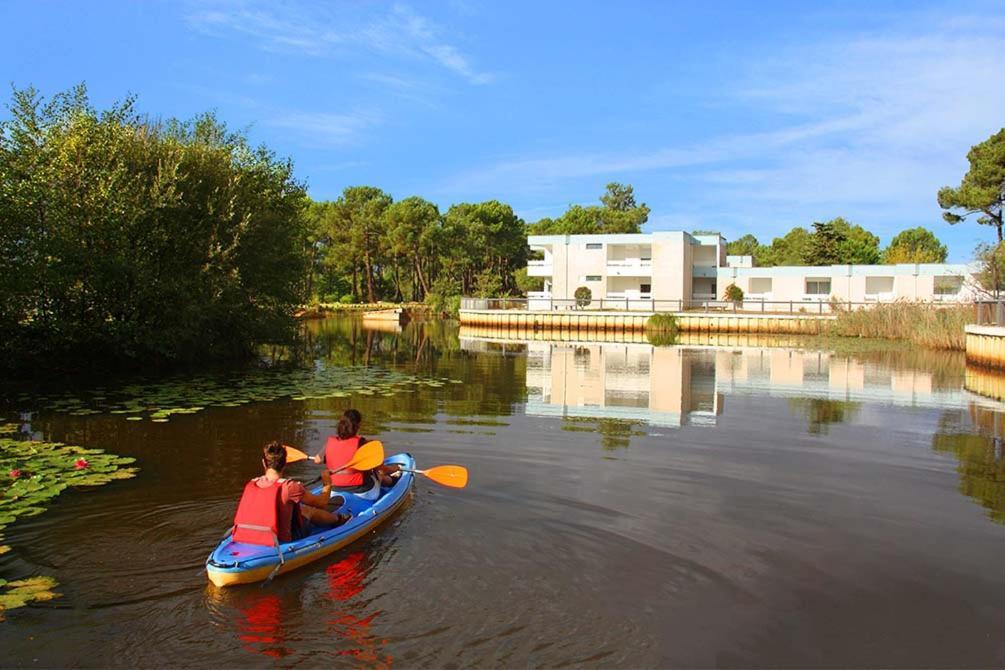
(124, 238)
(583, 296)
(733, 293)
(347, 299)
(662, 329)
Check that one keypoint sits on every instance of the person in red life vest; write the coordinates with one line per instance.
(341, 447)
(273, 508)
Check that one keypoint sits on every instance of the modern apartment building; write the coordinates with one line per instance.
(694, 268)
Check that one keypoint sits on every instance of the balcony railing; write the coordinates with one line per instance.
(539, 268)
(543, 301)
(629, 267)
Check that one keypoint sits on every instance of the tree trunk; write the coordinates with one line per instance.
(370, 293)
(422, 279)
(355, 285)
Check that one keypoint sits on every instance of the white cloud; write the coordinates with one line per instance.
(872, 124)
(326, 129)
(318, 31)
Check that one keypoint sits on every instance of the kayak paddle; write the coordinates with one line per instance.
(454, 476)
(293, 454)
(367, 457)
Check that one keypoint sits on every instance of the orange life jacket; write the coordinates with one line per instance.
(337, 453)
(257, 518)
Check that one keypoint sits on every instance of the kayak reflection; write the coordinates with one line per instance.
(346, 579)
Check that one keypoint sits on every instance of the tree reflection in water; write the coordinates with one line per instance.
(820, 413)
(979, 456)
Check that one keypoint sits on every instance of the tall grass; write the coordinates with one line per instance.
(934, 326)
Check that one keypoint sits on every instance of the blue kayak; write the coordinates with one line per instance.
(239, 563)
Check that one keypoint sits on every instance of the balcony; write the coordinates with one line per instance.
(539, 268)
(704, 271)
(630, 267)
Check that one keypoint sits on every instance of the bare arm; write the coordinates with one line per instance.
(320, 500)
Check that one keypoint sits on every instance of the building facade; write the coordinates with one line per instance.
(677, 266)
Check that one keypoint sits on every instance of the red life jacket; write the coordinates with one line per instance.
(257, 518)
(337, 453)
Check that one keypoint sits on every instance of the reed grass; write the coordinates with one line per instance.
(933, 326)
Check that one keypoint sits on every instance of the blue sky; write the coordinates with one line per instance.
(740, 117)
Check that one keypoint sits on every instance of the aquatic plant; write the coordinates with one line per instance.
(23, 591)
(935, 326)
(32, 473)
(159, 401)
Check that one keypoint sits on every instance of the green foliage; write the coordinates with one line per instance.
(662, 329)
(583, 296)
(835, 242)
(525, 283)
(787, 250)
(982, 190)
(733, 293)
(744, 246)
(619, 214)
(124, 238)
(991, 267)
(838, 242)
(915, 245)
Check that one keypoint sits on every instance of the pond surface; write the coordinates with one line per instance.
(720, 503)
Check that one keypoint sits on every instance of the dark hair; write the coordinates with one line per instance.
(274, 456)
(348, 424)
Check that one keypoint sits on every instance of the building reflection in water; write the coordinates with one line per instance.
(688, 385)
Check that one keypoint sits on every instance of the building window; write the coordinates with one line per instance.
(645, 288)
(591, 278)
(948, 284)
(760, 285)
(594, 245)
(818, 286)
(878, 285)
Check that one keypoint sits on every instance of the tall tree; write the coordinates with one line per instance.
(915, 245)
(982, 190)
(824, 247)
(743, 246)
(359, 214)
(411, 225)
(858, 246)
(619, 214)
(786, 250)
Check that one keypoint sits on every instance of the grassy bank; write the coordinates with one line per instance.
(936, 327)
(319, 309)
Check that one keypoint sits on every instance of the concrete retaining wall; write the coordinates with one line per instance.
(803, 324)
(986, 346)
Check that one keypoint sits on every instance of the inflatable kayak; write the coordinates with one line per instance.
(239, 563)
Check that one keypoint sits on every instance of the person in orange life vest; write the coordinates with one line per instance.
(300, 512)
(341, 447)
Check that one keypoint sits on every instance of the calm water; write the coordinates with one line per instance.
(720, 503)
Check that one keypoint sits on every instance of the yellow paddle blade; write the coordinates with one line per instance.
(367, 457)
(448, 475)
(293, 455)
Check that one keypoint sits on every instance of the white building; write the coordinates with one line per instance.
(676, 266)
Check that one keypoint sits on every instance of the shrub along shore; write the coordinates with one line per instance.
(932, 326)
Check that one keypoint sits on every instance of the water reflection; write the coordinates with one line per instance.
(687, 385)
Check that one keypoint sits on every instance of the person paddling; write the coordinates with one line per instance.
(341, 447)
(282, 507)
